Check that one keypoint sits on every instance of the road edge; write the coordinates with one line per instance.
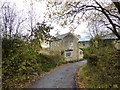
(77, 80)
(44, 74)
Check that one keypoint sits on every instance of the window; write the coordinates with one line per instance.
(81, 52)
(68, 54)
(83, 44)
(70, 45)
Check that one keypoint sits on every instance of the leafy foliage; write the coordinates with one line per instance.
(102, 69)
(99, 15)
(50, 61)
(41, 33)
(22, 59)
(20, 62)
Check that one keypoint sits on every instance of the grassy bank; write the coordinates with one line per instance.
(102, 69)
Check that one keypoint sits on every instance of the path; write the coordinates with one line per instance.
(60, 78)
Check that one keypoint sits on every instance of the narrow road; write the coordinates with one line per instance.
(60, 78)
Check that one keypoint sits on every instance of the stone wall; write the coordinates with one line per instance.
(68, 44)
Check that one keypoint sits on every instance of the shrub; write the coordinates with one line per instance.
(86, 53)
(92, 60)
(21, 60)
(103, 67)
(50, 61)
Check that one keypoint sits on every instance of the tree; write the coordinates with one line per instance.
(31, 18)
(96, 27)
(11, 21)
(41, 33)
(79, 11)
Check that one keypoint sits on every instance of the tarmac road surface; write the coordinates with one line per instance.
(63, 77)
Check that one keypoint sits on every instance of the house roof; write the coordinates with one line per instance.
(84, 39)
(62, 36)
(110, 36)
(59, 37)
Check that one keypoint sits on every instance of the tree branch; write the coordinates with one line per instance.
(114, 27)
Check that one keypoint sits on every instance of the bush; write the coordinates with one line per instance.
(92, 60)
(85, 52)
(50, 61)
(102, 68)
(110, 67)
(21, 60)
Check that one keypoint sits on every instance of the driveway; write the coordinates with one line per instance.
(60, 78)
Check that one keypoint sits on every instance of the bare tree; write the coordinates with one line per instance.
(96, 25)
(10, 20)
(31, 18)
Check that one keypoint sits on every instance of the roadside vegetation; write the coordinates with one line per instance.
(102, 69)
(23, 58)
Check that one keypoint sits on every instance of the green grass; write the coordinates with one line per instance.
(88, 78)
(102, 69)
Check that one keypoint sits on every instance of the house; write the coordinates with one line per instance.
(109, 39)
(84, 42)
(68, 45)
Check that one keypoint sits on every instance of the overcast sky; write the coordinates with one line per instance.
(40, 9)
